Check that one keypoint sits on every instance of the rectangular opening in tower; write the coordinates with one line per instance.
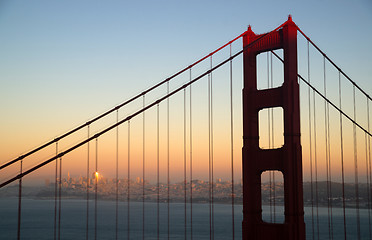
(271, 128)
(270, 70)
(272, 195)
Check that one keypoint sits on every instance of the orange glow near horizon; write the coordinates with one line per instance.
(76, 161)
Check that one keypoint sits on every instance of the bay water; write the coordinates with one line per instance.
(38, 220)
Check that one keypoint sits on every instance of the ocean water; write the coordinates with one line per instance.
(38, 220)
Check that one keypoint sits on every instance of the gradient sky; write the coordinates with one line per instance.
(62, 63)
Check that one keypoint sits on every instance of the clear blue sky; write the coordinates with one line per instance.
(71, 60)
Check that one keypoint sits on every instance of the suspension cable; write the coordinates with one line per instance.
(209, 158)
(355, 124)
(368, 186)
(356, 169)
(143, 168)
(55, 195)
(327, 100)
(128, 184)
(232, 149)
(88, 185)
(191, 235)
(157, 171)
(330, 170)
(316, 168)
(369, 167)
(272, 136)
(140, 111)
(96, 193)
(184, 160)
(168, 179)
(117, 177)
(338, 68)
(342, 155)
(19, 203)
(310, 144)
(212, 151)
(269, 137)
(326, 151)
(59, 198)
(130, 100)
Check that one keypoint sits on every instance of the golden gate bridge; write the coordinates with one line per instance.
(331, 145)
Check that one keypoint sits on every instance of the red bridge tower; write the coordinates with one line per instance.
(288, 158)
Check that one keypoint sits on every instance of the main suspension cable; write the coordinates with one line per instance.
(328, 101)
(338, 68)
(139, 112)
(129, 101)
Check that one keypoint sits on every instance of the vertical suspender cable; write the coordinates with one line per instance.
(128, 184)
(96, 193)
(209, 158)
(368, 185)
(232, 150)
(143, 169)
(330, 169)
(88, 183)
(356, 168)
(157, 172)
(168, 185)
(184, 159)
(369, 170)
(19, 203)
(328, 157)
(272, 136)
(326, 146)
(212, 168)
(310, 145)
(117, 177)
(190, 160)
(59, 198)
(342, 155)
(269, 137)
(316, 168)
(55, 195)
